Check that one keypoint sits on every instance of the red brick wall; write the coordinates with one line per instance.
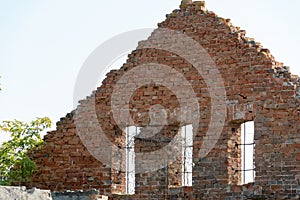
(257, 88)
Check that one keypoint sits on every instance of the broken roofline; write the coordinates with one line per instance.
(258, 88)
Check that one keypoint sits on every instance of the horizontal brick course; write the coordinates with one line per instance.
(257, 88)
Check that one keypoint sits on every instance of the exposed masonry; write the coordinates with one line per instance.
(258, 89)
(23, 193)
(78, 195)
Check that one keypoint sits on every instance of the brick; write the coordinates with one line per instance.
(257, 88)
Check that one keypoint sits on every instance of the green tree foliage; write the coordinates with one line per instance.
(15, 165)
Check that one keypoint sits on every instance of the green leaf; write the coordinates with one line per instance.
(15, 165)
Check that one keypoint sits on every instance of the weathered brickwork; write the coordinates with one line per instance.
(257, 88)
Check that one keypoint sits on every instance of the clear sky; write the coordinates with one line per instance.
(43, 44)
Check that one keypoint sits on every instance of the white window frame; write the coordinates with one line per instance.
(247, 153)
(187, 155)
(131, 132)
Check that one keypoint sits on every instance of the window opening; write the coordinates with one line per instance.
(187, 155)
(247, 149)
(131, 132)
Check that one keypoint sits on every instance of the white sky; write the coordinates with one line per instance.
(43, 44)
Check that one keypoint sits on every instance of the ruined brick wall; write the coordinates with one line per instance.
(257, 88)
